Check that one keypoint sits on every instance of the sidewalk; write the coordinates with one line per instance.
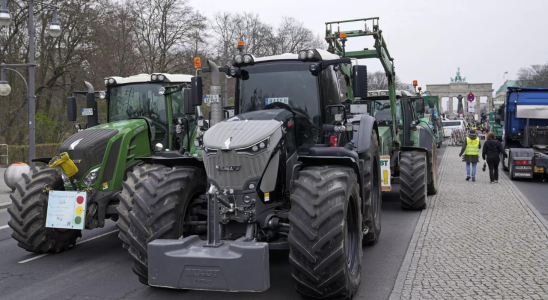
(475, 241)
(5, 191)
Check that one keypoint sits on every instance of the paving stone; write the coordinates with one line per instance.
(478, 241)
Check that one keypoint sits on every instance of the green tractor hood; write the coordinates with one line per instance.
(104, 152)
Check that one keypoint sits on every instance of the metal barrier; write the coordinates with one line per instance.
(6, 156)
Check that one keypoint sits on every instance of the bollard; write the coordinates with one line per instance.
(13, 174)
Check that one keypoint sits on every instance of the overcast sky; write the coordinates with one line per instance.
(428, 39)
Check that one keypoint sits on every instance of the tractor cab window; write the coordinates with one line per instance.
(383, 115)
(288, 83)
(177, 104)
(140, 101)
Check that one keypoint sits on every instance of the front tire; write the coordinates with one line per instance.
(373, 199)
(28, 213)
(325, 233)
(159, 209)
(138, 174)
(413, 180)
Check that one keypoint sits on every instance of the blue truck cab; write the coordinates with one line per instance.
(525, 132)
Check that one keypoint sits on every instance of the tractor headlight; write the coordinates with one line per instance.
(309, 55)
(106, 82)
(238, 59)
(158, 147)
(111, 81)
(102, 95)
(248, 59)
(255, 148)
(154, 77)
(66, 180)
(161, 90)
(201, 123)
(161, 77)
(91, 178)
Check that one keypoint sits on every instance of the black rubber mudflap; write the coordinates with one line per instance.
(235, 266)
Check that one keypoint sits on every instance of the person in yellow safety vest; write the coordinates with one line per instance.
(474, 126)
(471, 150)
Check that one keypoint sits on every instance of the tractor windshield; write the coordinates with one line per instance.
(290, 83)
(137, 100)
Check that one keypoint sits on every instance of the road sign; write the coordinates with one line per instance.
(208, 99)
(471, 97)
(66, 209)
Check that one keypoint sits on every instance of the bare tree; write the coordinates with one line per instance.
(293, 36)
(534, 76)
(379, 81)
(162, 28)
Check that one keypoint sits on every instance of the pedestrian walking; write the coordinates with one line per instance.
(492, 149)
(470, 149)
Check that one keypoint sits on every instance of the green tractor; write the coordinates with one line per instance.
(50, 205)
(495, 127)
(408, 143)
(432, 117)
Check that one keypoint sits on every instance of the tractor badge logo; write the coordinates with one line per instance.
(227, 144)
(228, 168)
(74, 144)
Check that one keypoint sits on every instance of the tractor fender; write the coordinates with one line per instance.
(362, 137)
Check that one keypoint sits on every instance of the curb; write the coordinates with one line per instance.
(404, 269)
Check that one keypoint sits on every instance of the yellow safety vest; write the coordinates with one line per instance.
(474, 127)
(472, 146)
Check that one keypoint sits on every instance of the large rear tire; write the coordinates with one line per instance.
(28, 213)
(325, 233)
(159, 209)
(138, 174)
(372, 187)
(413, 180)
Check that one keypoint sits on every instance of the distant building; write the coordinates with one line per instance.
(500, 96)
(406, 87)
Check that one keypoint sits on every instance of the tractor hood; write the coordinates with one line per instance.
(245, 130)
(87, 148)
(233, 155)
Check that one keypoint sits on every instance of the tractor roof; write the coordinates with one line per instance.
(399, 93)
(291, 56)
(147, 78)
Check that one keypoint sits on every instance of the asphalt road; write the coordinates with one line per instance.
(98, 268)
(534, 190)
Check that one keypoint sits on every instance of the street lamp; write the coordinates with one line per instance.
(54, 30)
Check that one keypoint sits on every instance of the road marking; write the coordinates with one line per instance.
(4, 227)
(81, 242)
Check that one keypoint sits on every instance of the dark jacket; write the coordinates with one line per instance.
(470, 158)
(492, 149)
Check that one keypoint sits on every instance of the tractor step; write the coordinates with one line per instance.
(234, 266)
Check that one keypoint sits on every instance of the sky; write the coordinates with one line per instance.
(429, 39)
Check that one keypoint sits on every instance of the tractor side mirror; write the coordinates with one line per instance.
(359, 81)
(419, 105)
(71, 109)
(197, 94)
(497, 119)
(188, 108)
(431, 103)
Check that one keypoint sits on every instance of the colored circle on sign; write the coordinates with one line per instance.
(78, 220)
(79, 210)
(80, 199)
(471, 97)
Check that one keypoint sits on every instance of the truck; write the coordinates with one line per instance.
(101, 160)
(524, 117)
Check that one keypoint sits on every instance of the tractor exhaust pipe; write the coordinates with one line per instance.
(93, 120)
(217, 111)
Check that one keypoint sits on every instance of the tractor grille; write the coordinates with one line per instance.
(90, 150)
(251, 166)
